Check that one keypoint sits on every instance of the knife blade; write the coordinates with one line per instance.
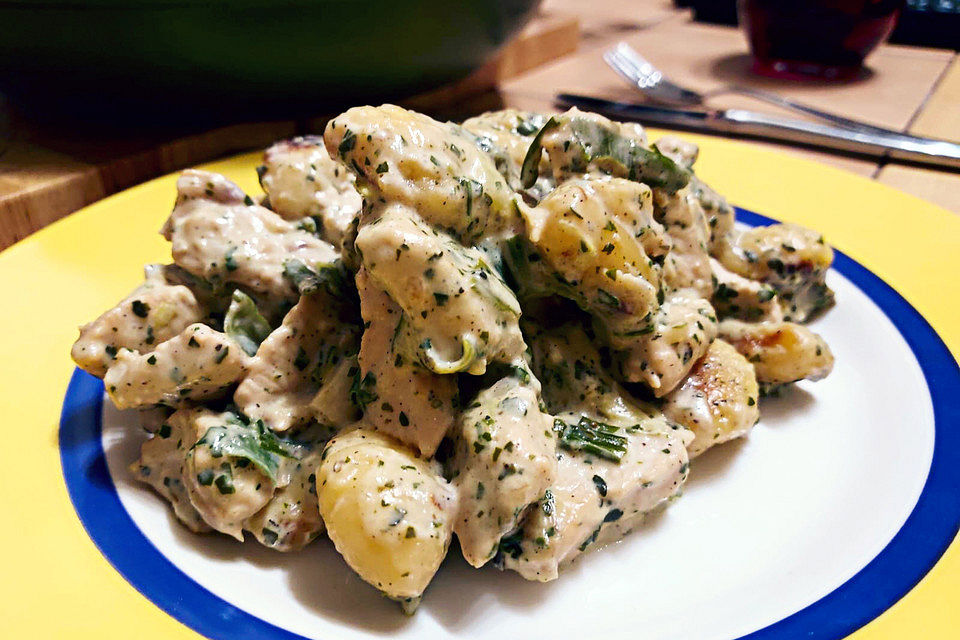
(759, 125)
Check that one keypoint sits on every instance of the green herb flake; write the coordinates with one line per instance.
(613, 515)
(601, 485)
(347, 143)
(224, 484)
(269, 536)
(245, 324)
(228, 259)
(302, 360)
(592, 437)
(607, 298)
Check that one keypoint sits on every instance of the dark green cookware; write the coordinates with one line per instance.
(175, 58)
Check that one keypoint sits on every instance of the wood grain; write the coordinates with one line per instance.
(940, 116)
(48, 171)
(938, 187)
(889, 94)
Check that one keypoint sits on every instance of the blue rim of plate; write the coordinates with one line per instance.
(913, 551)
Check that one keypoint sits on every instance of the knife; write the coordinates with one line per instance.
(751, 123)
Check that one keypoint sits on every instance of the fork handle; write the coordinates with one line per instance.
(750, 123)
(786, 103)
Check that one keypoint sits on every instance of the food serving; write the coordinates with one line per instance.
(517, 331)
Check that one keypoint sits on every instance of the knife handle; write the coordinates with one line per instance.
(895, 145)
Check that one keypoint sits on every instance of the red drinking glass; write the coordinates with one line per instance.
(815, 38)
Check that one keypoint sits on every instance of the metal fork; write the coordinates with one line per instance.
(650, 81)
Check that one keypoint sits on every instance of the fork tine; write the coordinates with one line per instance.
(629, 71)
(644, 67)
(631, 54)
(651, 80)
(624, 65)
(626, 71)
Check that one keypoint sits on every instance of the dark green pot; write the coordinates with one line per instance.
(169, 58)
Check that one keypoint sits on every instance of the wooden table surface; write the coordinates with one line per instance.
(911, 89)
(47, 173)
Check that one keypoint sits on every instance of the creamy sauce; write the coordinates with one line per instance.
(506, 459)
(718, 401)
(400, 398)
(302, 181)
(458, 314)
(197, 363)
(153, 313)
(594, 500)
(219, 234)
(427, 329)
(389, 513)
(290, 365)
(780, 352)
(791, 259)
(680, 332)
(431, 166)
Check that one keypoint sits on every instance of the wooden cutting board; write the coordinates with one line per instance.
(47, 172)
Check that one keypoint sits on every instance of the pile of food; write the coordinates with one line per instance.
(517, 330)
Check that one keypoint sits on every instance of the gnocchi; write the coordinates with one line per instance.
(518, 331)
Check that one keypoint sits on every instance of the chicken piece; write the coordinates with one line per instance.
(302, 180)
(197, 363)
(619, 459)
(389, 513)
(595, 242)
(505, 459)
(720, 215)
(332, 406)
(290, 520)
(290, 364)
(594, 501)
(154, 312)
(161, 465)
(224, 487)
(221, 472)
(580, 144)
(214, 298)
(791, 259)
(506, 135)
(575, 378)
(718, 400)
(687, 266)
(219, 234)
(738, 297)
(458, 313)
(235, 468)
(398, 397)
(433, 167)
(675, 337)
(781, 352)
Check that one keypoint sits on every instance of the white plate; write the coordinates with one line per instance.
(766, 525)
